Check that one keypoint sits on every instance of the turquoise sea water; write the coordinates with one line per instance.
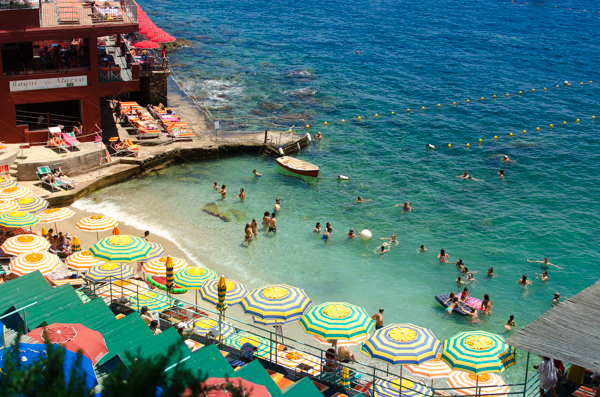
(275, 58)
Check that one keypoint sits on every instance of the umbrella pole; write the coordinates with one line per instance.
(401, 367)
(121, 279)
(55, 227)
(476, 385)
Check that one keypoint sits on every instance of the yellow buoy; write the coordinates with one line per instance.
(568, 84)
(495, 137)
(480, 140)
(507, 95)
(593, 117)
(307, 126)
(359, 117)
(482, 98)
(564, 122)
(524, 132)
(520, 92)
(449, 145)
(544, 88)
(454, 103)
(582, 83)
(423, 108)
(590, 81)
(376, 115)
(392, 112)
(533, 90)
(494, 96)
(439, 105)
(467, 101)
(577, 120)
(557, 86)
(510, 134)
(538, 128)
(468, 144)
(326, 123)
(551, 125)
(343, 121)
(408, 110)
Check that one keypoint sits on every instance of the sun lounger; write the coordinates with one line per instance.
(64, 182)
(55, 141)
(71, 141)
(43, 173)
(128, 150)
(5, 172)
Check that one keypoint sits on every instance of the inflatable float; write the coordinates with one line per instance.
(161, 282)
(462, 308)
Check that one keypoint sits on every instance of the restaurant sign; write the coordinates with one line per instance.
(45, 84)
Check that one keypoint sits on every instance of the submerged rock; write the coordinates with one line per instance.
(212, 209)
(179, 43)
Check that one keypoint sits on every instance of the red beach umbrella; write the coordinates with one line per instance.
(73, 337)
(147, 28)
(218, 388)
(146, 44)
(154, 33)
(166, 38)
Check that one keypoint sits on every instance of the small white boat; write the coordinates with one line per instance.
(299, 167)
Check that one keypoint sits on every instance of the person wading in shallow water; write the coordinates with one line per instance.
(272, 224)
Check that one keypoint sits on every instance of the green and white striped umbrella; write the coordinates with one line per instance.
(337, 320)
(194, 277)
(205, 324)
(390, 387)
(109, 272)
(84, 298)
(121, 248)
(152, 300)
(32, 204)
(263, 344)
(234, 294)
(281, 304)
(478, 352)
(18, 219)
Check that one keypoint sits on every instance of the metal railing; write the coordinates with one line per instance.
(56, 13)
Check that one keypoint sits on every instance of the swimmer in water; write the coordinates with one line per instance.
(277, 205)
(317, 228)
(391, 240)
(501, 173)
(351, 234)
(256, 173)
(459, 265)
(471, 279)
(216, 186)
(464, 270)
(544, 276)
(545, 263)
(464, 295)
(362, 200)
(459, 281)
(451, 297)
(242, 194)
(510, 323)
(524, 281)
(443, 256)
(254, 226)
(326, 235)
(383, 249)
(505, 159)
(455, 303)
(486, 304)
(248, 231)
(328, 226)
(473, 314)
(405, 207)
(318, 136)
(490, 273)
(422, 249)
(223, 191)
(266, 219)
(556, 299)
(466, 175)
(273, 224)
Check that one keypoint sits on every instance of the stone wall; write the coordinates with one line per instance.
(153, 88)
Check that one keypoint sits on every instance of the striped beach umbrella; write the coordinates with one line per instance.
(122, 287)
(194, 277)
(279, 304)
(432, 369)
(467, 384)
(205, 324)
(32, 204)
(45, 262)
(14, 193)
(84, 298)
(402, 344)
(235, 292)
(75, 245)
(478, 352)
(263, 344)
(155, 252)
(8, 205)
(152, 300)
(18, 219)
(390, 386)
(158, 266)
(83, 260)
(5, 183)
(337, 320)
(338, 343)
(25, 243)
(121, 248)
(96, 223)
(53, 215)
(109, 271)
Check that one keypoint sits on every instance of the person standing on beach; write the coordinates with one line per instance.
(248, 231)
(223, 192)
(254, 226)
(242, 194)
(273, 224)
(277, 205)
(378, 318)
(266, 219)
(145, 236)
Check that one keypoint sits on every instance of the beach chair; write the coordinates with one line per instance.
(55, 141)
(71, 141)
(122, 151)
(42, 173)
(64, 183)
(5, 172)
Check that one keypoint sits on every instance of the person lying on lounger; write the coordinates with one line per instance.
(58, 174)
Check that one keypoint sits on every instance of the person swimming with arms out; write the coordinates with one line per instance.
(317, 228)
(351, 234)
(383, 249)
(490, 273)
(327, 235)
(362, 200)
(216, 186)
(510, 323)
(256, 173)
(391, 240)
(466, 175)
(422, 249)
(405, 207)
(266, 219)
(545, 263)
(443, 256)
(523, 281)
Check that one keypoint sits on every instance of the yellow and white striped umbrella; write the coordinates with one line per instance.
(432, 369)
(158, 266)
(8, 205)
(83, 260)
(14, 193)
(467, 384)
(25, 243)
(55, 215)
(45, 262)
(122, 287)
(96, 223)
(6, 182)
(32, 204)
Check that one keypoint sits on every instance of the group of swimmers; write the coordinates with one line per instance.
(269, 222)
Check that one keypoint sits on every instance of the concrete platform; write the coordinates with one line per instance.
(12, 151)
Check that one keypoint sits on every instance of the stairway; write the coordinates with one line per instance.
(14, 168)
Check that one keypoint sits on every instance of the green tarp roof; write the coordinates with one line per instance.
(255, 373)
(94, 314)
(50, 303)
(17, 291)
(302, 388)
(159, 345)
(126, 333)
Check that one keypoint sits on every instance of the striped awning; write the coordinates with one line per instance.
(337, 320)
(83, 260)
(158, 267)
(18, 219)
(45, 262)
(390, 386)
(96, 223)
(121, 248)
(109, 272)
(478, 352)
(25, 243)
(465, 384)
(276, 304)
(402, 344)
(55, 215)
(32, 204)
(194, 277)
(235, 292)
(14, 193)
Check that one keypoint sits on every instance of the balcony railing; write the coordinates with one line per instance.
(57, 13)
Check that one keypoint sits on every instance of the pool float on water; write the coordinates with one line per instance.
(461, 309)
(161, 282)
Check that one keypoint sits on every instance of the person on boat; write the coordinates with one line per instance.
(443, 256)
(272, 224)
(383, 249)
(362, 200)
(254, 226)
(216, 186)
(464, 295)
(223, 191)
(450, 298)
(248, 231)
(391, 240)
(266, 219)
(317, 228)
(501, 173)
(351, 234)
(544, 276)
(242, 194)
(277, 205)
(524, 281)
(471, 279)
(490, 273)
(545, 263)
(486, 304)
(466, 175)
(422, 248)
(318, 136)
(326, 235)
(510, 323)
(459, 281)
(256, 173)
